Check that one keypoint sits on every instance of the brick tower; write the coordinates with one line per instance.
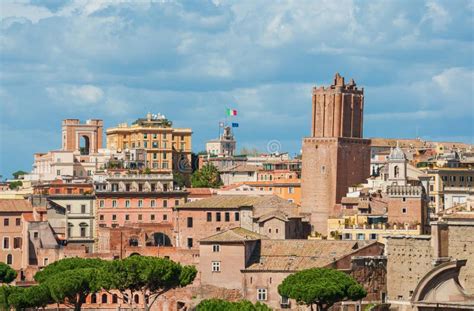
(336, 156)
(89, 134)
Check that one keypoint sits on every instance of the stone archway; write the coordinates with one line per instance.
(441, 287)
(84, 144)
(158, 239)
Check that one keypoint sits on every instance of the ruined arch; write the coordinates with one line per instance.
(158, 239)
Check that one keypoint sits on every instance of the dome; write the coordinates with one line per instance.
(397, 153)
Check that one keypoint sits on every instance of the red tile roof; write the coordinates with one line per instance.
(15, 205)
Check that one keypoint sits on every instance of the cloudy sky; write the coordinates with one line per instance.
(190, 60)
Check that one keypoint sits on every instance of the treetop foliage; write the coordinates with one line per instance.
(206, 177)
(70, 280)
(7, 274)
(321, 286)
(219, 305)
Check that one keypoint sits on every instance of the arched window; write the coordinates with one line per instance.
(93, 298)
(133, 241)
(136, 299)
(114, 298)
(104, 298)
(396, 171)
(9, 259)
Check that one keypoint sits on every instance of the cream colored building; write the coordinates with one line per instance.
(167, 149)
(450, 186)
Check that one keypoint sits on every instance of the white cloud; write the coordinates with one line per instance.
(87, 93)
(78, 94)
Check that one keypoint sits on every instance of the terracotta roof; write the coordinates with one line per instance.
(234, 235)
(295, 255)
(15, 205)
(236, 201)
(460, 215)
(200, 191)
(242, 168)
(350, 200)
(28, 217)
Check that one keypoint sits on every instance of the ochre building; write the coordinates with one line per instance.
(167, 149)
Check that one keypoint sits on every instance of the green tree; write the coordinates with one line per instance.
(19, 173)
(15, 184)
(72, 287)
(30, 297)
(5, 292)
(206, 177)
(179, 180)
(151, 276)
(7, 274)
(70, 280)
(219, 304)
(321, 287)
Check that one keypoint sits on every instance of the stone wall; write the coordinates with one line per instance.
(409, 259)
(461, 246)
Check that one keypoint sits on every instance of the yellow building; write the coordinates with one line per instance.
(450, 186)
(356, 228)
(167, 149)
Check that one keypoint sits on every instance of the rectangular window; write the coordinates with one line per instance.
(165, 217)
(114, 203)
(101, 203)
(262, 294)
(127, 203)
(114, 217)
(190, 242)
(237, 216)
(152, 217)
(291, 190)
(154, 136)
(216, 248)
(145, 144)
(145, 136)
(218, 216)
(101, 217)
(140, 217)
(152, 203)
(404, 210)
(6, 243)
(6, 222)
(176, 202)
(18, 221)
(83, 232)
(127, 217)
(190, 222)
(216, 266)
(373, 236)
(16, 242)
(83, 209)
(58, 173)
(360, 236)
(227, 216)
(155, 156)
(140, 203)
(209, 216)
(154, 145)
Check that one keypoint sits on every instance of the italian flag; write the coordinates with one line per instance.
(231, 112)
